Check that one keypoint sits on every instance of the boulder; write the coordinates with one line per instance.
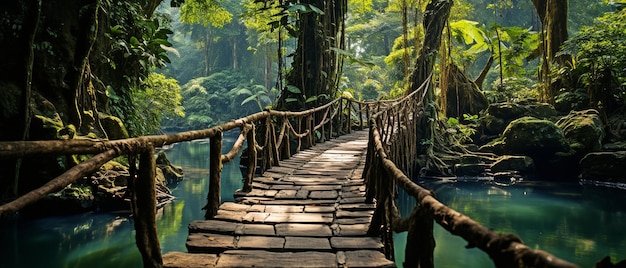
(507, 110)
(537, 138)
(513, 163)
(604, 166)
(533, 137)
(469, 170)
(572, 100)
(113, 127)
(172, 173)
(583, 130)
(541, 110)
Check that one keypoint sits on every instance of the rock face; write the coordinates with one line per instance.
(583, 130)
(604, 166)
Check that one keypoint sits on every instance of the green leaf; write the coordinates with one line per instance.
(291, 99)
(134, 40)
(311, 99)
(249, 99)
(293, 89)
(316, 10)
(245, 91)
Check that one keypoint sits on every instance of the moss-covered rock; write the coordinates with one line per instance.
(113, 127)
(507, 110)
(604, 166)
(522, 164)
(572, 101)
(541, 110)
(537, 138)
(583, 130)
(172, 173)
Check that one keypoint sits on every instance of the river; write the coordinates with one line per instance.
(581, 224)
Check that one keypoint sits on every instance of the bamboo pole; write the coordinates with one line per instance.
(215, 170)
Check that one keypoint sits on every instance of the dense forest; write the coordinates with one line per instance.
(104, 69)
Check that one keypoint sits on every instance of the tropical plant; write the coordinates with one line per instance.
(599, 53)
(159, 98)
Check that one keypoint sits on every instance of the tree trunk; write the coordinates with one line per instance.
(207, 51)
(316, 67)
(435, 17)
(553, 16)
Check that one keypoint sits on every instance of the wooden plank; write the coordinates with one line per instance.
(307, 243)
(324, 195)
(215, 226)
(209, 243)
(256, 229)
(262, 258)
(356, 243)
(367, 258)
(176, 259)
(260, 242)
(299, 229)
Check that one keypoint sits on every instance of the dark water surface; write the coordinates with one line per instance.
(579, 224)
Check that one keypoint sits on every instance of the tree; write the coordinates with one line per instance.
(317, 63)
(553, 16)
(78, 54)
(210, 14)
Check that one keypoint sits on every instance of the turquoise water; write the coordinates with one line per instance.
(576, 223)
(107, 239)
(581, 224)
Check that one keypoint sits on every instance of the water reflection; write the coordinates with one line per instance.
(577, 223)
(108, 239)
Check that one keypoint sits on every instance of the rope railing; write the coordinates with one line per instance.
(392, 149)
(264, 149)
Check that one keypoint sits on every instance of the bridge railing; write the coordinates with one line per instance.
(269, 135)
(394, 141)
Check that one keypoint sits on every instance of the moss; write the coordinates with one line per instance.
(534, 137)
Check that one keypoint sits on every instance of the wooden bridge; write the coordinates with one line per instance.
(330, 205)
(308, 212)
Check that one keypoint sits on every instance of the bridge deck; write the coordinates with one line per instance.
(309, 212)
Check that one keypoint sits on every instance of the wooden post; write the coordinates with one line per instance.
(311, 126)
(330, 123)
(286, 144)
(215, 170)
(340, 114)
(275, 160)
(349, 117)
(251, 139)
(143, 201)
(360, 116)
(420, 242)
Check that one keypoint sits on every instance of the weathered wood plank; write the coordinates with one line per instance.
(299, 229)
(176, 259)
(209, 243)
(307, 243)
(367, 258)
(261, 258)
